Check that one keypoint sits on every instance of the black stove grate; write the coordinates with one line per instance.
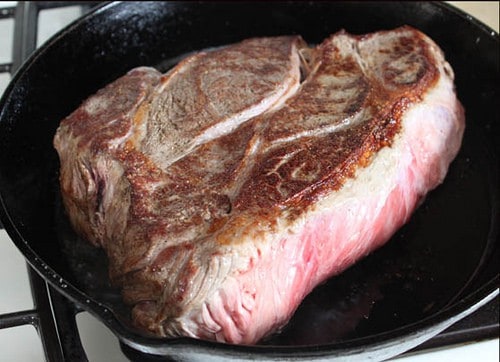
(53, 315)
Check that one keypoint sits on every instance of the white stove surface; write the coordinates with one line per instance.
(22, 344)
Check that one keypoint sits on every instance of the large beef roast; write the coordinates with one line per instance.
(226, 189)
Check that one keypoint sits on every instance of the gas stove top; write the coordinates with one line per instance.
(474, 338)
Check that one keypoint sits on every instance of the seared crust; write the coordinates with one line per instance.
(225, 160)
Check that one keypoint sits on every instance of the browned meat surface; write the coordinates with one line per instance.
(224, 190)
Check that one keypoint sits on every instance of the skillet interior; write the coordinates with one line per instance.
(443, 256)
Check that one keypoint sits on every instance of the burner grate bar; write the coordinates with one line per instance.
(5, 68)
(7, 12)
(56, 322)
(17, 319)
(25, 31)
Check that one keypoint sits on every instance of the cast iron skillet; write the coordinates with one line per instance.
(437, 269)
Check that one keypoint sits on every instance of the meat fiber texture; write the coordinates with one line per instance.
(226, 189)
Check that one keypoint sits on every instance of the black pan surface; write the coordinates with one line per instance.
(437, 269)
